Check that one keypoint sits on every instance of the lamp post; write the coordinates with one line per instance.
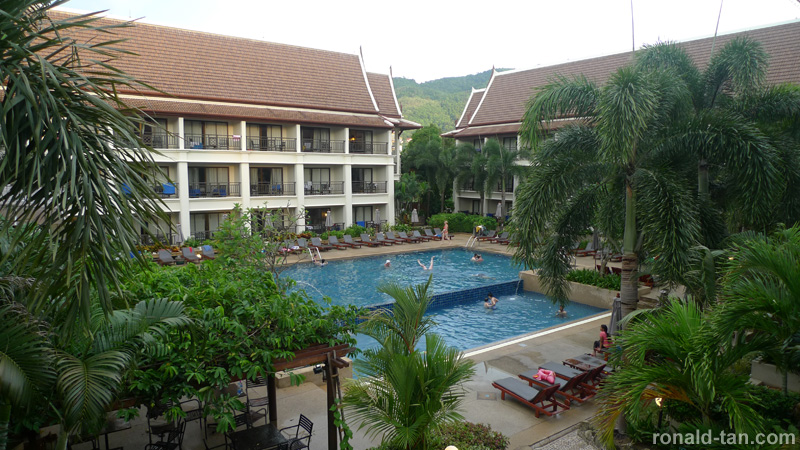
(659, 402)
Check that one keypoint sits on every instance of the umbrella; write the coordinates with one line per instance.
(179, 235)
(499, 213)
(616, 316)
(329, 219)
(378, 219)
(414, 216)
(596, 240)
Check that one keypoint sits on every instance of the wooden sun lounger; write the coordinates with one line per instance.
(439, 233)
(348, 240)
(541, 400)
(421, 237)
(334, 241)
(165, 258)
(385, 237)
(496, 239)
(380, 238)
(365, 239)
(407, 238)
(489, 236)
(317, 243)
(572, 385)
(189, 255)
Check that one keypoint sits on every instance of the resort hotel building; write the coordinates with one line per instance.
(269, 126)
(497, 111)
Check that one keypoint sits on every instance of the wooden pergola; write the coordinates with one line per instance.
(331, 358)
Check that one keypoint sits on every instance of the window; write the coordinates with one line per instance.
(360, 141)
(476, 206)
(322, 175)
(208, 175)
(510, 143)
(362, 180)
(362, 214)
(316, 139)
(477, 143)
(201, 134)
(204, 224)
(269, 175)
(265, 137)
(154, 133)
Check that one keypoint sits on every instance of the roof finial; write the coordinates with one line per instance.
(361, 52)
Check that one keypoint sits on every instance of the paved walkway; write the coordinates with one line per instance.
(482, 403)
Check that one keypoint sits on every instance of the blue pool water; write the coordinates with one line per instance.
(355, 281)
(469, 325)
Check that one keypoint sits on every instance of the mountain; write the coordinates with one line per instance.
(438, 102)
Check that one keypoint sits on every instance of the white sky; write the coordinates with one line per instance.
(432, 39)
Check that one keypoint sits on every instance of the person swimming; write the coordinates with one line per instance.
(424, 267)
(387, 264)
(490, 302)
(476, 258)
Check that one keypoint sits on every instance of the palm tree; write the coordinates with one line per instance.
(672, 354)
(439, 162)
(579, 176)
(761, 293)
(502, 165)
(471, 167)
(406, 391)
(72, 161)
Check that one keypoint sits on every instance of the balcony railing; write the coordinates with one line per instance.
(203, 235)
(260, 189)
(329, 188)
(369, 187)
(160, 140)
(509, 187)
(372, 148)
(197, 190)
(212, 141)
(470, 186)
(323, 146)
(271, 144)
(168, 239)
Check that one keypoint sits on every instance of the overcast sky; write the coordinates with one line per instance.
(426, 40)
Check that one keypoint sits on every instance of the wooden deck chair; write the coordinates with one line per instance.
(348, 240)
(366, 239)
(541, 400)
(334, 242)
(165, 258)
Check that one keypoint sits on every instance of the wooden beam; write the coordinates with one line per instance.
(272, 395)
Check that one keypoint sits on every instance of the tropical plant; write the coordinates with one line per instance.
(440, 164)
(502, 165)
(471, 167)
(409, 191)
(761, 296)
(408, 387)
(673, 354)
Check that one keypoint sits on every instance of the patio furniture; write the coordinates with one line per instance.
(173, 441)
(259, 438)
(541, 400)
(257, 402)
(334, 241)
(348, 240)
(165, 258)
(299, 436)
(189, 255)
(570, 379)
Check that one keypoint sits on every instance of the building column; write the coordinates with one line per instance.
(390, 213)
(297, 131)
(243, 138)
(183, 191)
(180, 133)
(299, 183)
(346, 140)
(244, 182)
(348, 194)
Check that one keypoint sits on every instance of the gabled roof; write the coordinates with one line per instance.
(384, 94)
(203, 67)
(469, 109)
(507, 95)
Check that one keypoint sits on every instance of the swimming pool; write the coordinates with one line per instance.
(355, 281)
(469, 325)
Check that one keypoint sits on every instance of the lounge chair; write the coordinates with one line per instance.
(439, 233)
(588, 251)
(496, 239)
(302, 243)
(421, 237)
(504, 241)
(379, 237)
(348, 240)
(407, 238)
(490, 235)
(572, 387)
(189, 255)
(288, 247)
(541, 400)
(334, 242)
(208, 252)
(430, 234)
(365, 239)
(317, 243)
(390, 236)
(165, 258)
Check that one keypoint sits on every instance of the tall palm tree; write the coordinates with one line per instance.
(761, 293)
(471, 167)
(71, 158)
(406, 392)
(673, 354)
(610, 146)
(502, 165)
(440, 164)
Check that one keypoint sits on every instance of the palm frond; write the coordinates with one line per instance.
(25, 356)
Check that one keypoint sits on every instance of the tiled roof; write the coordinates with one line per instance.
(382, 90)
(244, 112)
(474, 98)
(488, 130)
(204, 66)
(508, 92)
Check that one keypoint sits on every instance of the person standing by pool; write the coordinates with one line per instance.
(423, 265)
(387, 264)
(477, 258)
(445, 230)
(490, 302)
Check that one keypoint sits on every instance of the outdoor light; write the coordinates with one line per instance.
(318, 369)
(659, 400)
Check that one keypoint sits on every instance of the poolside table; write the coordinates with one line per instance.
(257, 438)
(584, 362)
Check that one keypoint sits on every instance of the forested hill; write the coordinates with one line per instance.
(439, 102)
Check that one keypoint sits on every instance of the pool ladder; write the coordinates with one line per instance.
(311, 253)
(472, 241)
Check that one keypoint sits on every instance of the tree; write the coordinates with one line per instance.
(408, 191)
(406, 392)
(471, 168)
(597, 163)
(501, 166)
(673, 354)
(72, 160)
(761, 296)
(439, 163)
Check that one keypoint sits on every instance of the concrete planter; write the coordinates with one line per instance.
(581, 293)
(771, 376)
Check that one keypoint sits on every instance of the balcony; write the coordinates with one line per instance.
(370, 148)
(203, 235)
(323, 146)
(470, 186)
(369, 187)
(271, 144)
(212, 141)
(329, 188)
(166, 239)
(166, 190)
(271, 189)
(160, 140)
(202, 190)
(509, 187)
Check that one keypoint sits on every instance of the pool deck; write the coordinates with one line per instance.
(482, 403)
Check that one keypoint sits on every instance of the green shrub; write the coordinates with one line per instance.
(461, 222)
(593, 278)
(774, 406)
(191, 242)
(468, 435)
(338, 234)
(354, 230)
(401, 227)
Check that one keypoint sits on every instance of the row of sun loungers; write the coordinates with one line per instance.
(188, 253)
(576, 380)
(381, 239)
